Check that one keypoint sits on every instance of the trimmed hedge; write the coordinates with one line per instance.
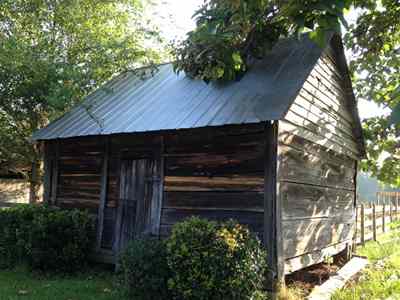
(200, 260)
(144, 269)
(15, 226)
(48, 239)
(215, 261)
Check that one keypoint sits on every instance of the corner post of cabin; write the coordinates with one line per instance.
(272, 207)
(47, 162)
(103, 192)
(55, 173)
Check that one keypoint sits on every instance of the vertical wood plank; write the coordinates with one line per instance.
(272, 206)
(355, 204)
(143, 179)
(134, 213)
(362, 223)
(120, 208)
(103, 194)
(397, 205)
(130, 204)
(55, 173)
(158, 190)
(355, 238)
(374, 221)
(47, 168)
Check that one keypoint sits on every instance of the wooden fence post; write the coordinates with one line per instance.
(362, 224)
(355, 241)
(383, 217)
(397, 205)
(374, 221)
(390, 211)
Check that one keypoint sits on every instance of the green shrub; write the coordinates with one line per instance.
(211, 261)
(15, 226)
(60, 240)
(145, 270)
(46, 238)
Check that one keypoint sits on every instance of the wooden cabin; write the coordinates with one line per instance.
(276, 150)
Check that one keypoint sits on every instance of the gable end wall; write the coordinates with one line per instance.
(318, 153)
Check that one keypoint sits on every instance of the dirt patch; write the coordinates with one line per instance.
(306, 279)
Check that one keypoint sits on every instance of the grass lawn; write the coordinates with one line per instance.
(381, 280)
(21, 284)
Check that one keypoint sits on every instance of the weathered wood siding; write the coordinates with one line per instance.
(214, 173)
(125, 149)
(79, 166)
(74, 170)
(316, 174)
(217, 174)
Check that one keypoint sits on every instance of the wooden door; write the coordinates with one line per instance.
(135, 203)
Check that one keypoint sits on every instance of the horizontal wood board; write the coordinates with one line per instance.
(79, 173)
(216, 175)
(317, 152)
(329, 122)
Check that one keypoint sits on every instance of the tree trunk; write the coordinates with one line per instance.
(34, 183)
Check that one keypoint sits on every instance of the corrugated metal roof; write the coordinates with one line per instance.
(166, 100)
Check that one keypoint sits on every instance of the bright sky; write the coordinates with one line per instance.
(174, 17)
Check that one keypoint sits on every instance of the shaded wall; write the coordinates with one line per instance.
(217, 174)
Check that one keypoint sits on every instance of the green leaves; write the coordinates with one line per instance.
(46, 238)
(217, 49)
(383, 149)
(319, 37)
(144, 270)
(229, 32)
(53, 53)
(242, 29)
(214, 261)
(395, 98)
(395, 116)
(374, 40)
